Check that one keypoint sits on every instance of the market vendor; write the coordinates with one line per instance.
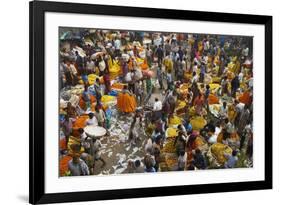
(67, 126)
(100, 116)
(126, 101)
(77, 166)
(198, 103)
(71, 111)
(92, 120)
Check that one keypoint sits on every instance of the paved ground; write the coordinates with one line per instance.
(117, 149)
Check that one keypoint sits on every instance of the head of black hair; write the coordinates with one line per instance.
(137, 163)
(91, 115)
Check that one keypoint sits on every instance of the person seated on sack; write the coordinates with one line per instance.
(92, 120)
(231, 159)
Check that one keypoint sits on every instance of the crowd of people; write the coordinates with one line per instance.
(188, 99)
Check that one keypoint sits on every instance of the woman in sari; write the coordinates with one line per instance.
(198, 103)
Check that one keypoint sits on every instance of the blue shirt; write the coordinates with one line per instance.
(188, 127)
(231, 161)
(207, 93)
(202, 70)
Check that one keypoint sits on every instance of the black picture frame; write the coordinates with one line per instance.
(37, 10)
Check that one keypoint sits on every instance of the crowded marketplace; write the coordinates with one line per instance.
(143, 101)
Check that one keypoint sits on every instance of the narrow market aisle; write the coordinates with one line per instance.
(117, 150)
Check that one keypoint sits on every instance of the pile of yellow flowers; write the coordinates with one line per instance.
(216, 80)
(198, 122)
(218, 150)
(180, 104)
(91, 79)
(114, 70)
(171, 162)
(108, 99)
(174, 120)
(171, 132)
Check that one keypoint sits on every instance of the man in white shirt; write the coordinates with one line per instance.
(245, 52)
(101, 65)
(223, 111)
(157, 109)
(117, 44)
(90, 65)
(78, 167)
(92, 120)
(194, 78)
(157, 105)
(239, 106)
(212, 138)
(251, 82)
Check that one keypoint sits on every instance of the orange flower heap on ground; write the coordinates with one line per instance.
(126, 102)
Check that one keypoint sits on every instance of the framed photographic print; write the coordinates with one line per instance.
(130, 102)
